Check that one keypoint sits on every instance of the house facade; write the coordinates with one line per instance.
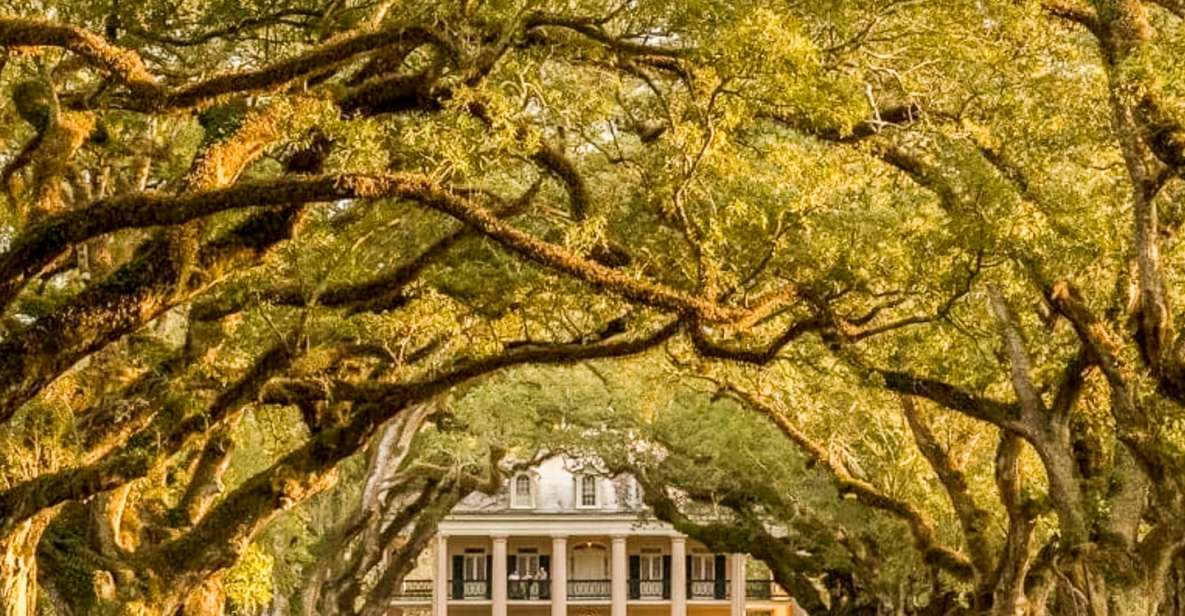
(561, 539)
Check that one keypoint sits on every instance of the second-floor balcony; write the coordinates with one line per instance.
(540, 590)
(594, 590)
(524, 569)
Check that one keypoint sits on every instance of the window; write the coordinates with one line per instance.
(704, 583)
(586, 491)
(703, 567)
(475, 565)
(522, 491)
(651, 565)
(528, 562)
(650, 574)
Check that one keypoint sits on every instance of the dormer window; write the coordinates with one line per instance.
(586, 491)
(522, 492)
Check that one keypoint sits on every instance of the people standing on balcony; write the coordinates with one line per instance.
(533, 585)
(515, 587)
(540, 581)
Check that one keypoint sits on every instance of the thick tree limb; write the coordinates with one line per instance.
(592, 29)
(899, 115)
(243, 26)
(973, 519)
(1014, 562)
(205, 484)
(134, 460)
(1069, 388)
(552, 159)
(294, 391)
(955, 398)
(137, 293)
(1020, 365)
(219, 538)
(44, 242)
(709, 348)
(147, 95)
(1132, 421)
(38, 247)
(790, 568)
(1151, 138)
(1082, 16)
(122, 64)
(925, 537)
(383, 292)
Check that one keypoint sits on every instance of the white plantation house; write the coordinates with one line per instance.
(556, 541)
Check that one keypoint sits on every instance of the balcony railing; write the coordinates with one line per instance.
(707, 589)
(469, 589)
(415, 589)
(649, 589)
(527, 590)
(589, 589)
(764, 589)
(598, 589)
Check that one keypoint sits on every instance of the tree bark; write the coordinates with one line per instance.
(18, 567)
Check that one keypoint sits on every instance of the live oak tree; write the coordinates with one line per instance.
(1085, 343)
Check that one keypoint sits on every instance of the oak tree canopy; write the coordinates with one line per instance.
(244, 244)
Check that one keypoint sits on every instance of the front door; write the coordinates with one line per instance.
(588, 563)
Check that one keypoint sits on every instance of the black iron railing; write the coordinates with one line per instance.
(649, 589)
(764, 589)
(415, 589)
(589, 589)
(469, 589)
(707, 589)
(540, 590)
(526, 590)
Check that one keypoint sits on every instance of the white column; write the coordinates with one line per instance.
(678, 576)
(559, 575)
(440, 590)
(498, 576)
(619, 583)
(737, 565)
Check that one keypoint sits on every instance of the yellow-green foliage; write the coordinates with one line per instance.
(248, 584)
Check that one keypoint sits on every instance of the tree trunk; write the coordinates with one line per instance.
(324, 585)
(107, 513)
(207, 600)
(18, 567)
(1102, 586)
